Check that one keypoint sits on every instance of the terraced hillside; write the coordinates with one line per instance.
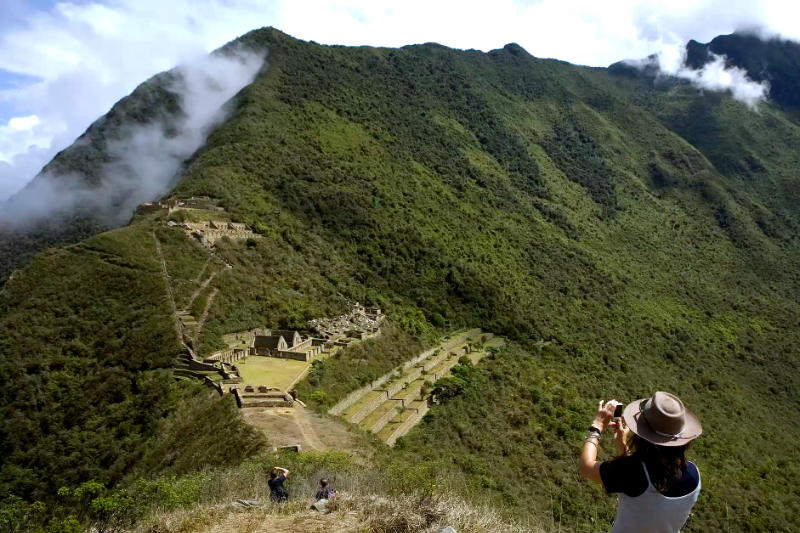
(394, 403)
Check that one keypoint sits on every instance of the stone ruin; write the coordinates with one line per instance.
(283, 344)
(288, 344)
(360, 323)
(206, 232)
(209, 232)
(172, 204)
(189, 367)
(261, 396)
(228, 356)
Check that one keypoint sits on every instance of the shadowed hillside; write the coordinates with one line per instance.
(775, 61)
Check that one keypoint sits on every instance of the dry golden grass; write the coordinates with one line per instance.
(354, 513)
(370, 500)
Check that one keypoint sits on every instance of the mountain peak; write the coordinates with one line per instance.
(773, 60)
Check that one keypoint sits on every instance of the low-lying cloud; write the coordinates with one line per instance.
(67, 62)
(144, 159)
(715, 76)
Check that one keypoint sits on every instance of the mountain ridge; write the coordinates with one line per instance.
(607, 226)
(152, 102)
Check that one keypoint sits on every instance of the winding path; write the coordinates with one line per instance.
(168, 290)
(203, 317)
(202, 286)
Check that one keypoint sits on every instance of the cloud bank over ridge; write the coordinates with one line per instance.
(715, 75)
(66, 63)
(144, 159)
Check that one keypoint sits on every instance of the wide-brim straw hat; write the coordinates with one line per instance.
(662, 420)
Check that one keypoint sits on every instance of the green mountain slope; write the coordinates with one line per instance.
(81, 166)
(629, 238)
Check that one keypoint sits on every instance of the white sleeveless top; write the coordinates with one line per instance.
(652, 512)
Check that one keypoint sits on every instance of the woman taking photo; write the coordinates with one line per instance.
(657, 486)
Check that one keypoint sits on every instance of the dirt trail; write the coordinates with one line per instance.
(202, 319)
(202, 286)
(168, 288)
(306, 429)
(305, 435)
(287, 426)
(202, 271)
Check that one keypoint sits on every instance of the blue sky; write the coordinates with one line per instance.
(13, 13)
(64, 63)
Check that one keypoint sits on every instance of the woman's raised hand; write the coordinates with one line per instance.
(622, 435)
(605, 412)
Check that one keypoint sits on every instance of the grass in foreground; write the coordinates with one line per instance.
(394, 498)
(369, 500)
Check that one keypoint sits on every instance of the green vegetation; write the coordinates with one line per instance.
(515, 428)
(357, 365)
(447, 388)
(270, 371)
(628, 237)
(381, 500)
(87, 342)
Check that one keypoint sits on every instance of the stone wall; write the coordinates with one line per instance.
(228, 356)
(288, 354)
(261, 396)
(406, 426)
(152, 207)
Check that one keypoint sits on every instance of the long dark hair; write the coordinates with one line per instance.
(665, 464)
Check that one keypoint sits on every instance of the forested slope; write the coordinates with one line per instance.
(81, 165)
(628, 237)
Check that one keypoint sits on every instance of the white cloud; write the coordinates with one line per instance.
(89, 54)
(23, 123)
(144, 160)
(715, 76)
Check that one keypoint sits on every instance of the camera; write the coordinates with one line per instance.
(618, 410)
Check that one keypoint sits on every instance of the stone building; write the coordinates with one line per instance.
(209, 232)
(269, 344)
(292, 337)
(288, 344)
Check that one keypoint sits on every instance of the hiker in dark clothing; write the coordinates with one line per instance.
(324, 496)
(277, 492)
(325, 491)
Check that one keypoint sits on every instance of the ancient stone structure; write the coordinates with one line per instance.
(288, 344)
(360, 323)
(153, 207)
(261, 396)
(199, 202)
(209, 232)
(228, 356)
(269, 344)
(394, 403)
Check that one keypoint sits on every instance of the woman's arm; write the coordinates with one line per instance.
(285, 471)
(588, 465)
